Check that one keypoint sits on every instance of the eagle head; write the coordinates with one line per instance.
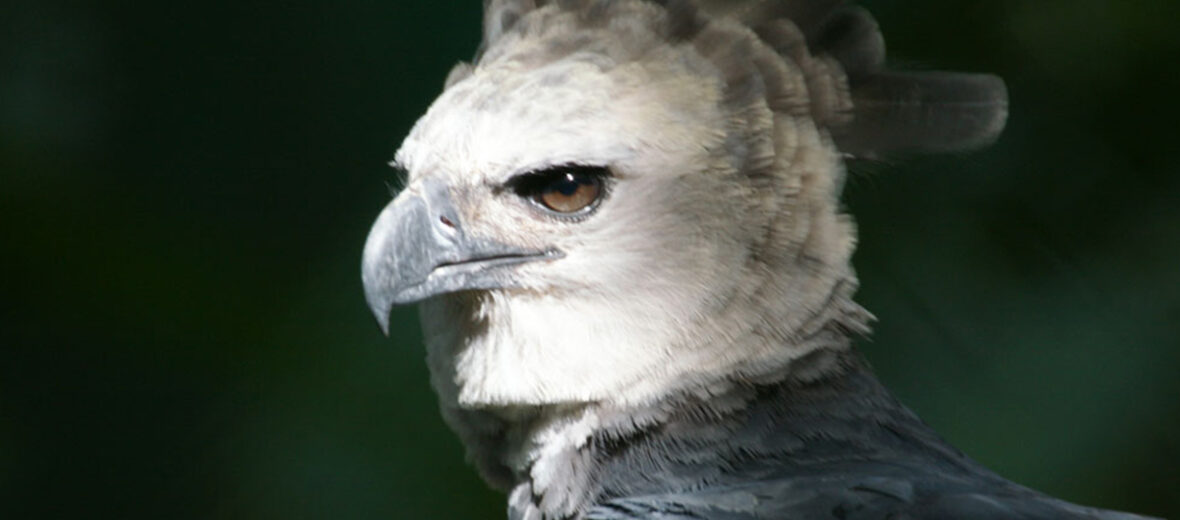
(623, 199)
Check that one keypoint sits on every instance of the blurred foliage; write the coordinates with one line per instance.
(187, 186)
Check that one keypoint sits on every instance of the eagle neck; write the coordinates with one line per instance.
(830, 409)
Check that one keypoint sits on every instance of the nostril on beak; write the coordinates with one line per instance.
(446, 221)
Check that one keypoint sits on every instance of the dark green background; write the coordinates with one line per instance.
(187, 186)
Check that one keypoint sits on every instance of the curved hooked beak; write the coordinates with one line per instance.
(418, 248)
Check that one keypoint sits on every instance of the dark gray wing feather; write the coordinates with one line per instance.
(836, 448)
(850, 496)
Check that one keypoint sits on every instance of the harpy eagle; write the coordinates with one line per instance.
(622, 224)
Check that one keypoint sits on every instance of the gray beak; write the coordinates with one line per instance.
(418, 248)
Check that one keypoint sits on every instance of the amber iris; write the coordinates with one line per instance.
(570, 192)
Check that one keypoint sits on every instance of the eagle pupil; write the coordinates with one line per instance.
(568, 184)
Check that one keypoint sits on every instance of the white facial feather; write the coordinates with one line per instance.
(687, 272)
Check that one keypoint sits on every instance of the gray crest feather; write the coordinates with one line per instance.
(839, 49)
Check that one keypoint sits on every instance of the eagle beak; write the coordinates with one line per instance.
(419, 248)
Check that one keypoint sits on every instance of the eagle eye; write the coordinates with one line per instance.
(565, 190)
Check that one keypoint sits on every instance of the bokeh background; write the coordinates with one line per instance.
(186, 187)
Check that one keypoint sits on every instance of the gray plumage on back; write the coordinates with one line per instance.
(622, 222)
